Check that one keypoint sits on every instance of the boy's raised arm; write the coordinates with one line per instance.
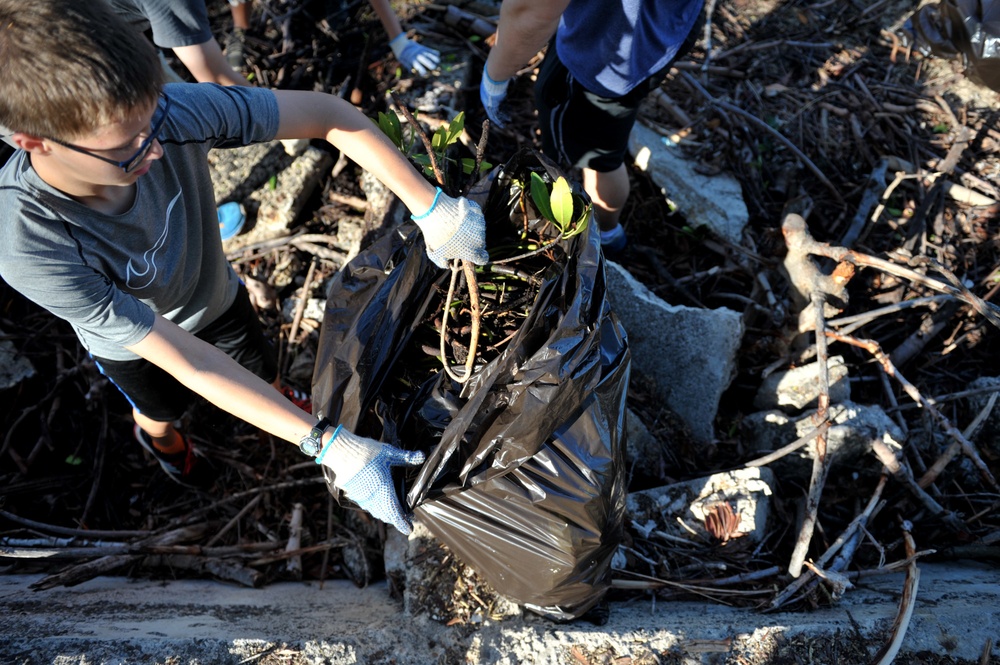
(453, 228)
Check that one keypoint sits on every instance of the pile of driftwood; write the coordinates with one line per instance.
(869, 171)
(874, 226)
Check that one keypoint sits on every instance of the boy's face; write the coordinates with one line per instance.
(116, 154)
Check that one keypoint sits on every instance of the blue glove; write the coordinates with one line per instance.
(363, 470)
(492, 93)
(414, 56)
(453, 229)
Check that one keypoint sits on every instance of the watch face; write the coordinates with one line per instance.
(310, 446)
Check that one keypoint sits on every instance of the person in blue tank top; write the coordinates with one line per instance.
(603, 58)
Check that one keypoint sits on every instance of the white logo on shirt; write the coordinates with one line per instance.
(149, 256)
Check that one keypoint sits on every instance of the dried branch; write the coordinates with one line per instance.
(770, 130)
(791, 447)
(423, 137)
(874, 505)
(907, 602)
(294, 565)
(967, 446)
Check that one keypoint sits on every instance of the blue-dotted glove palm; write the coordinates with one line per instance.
(453, 229)
(363, 469)
(414, 56)
(492, 93)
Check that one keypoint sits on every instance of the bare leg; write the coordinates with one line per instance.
(608, 191)
(164, 435)
(241, 15)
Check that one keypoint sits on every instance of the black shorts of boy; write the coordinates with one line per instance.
(582, 129)
(160, 397)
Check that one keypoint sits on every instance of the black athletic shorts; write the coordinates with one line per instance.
(583, 129)
(159, 396)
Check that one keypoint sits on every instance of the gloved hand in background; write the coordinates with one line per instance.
(363, 469)
(414, 56)
(493, 93)
(453, 229)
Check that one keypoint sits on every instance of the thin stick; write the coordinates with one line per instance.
(297, 319)
(967, 446)
(907, 602)
(935, 469)
(294, 564)
(821, 466)
(65, 531)
(902, 472)
(790, 448)
(236, 518)
(423, 137)
(771, 130)
(874, 505)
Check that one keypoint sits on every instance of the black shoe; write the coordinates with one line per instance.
(186, 468)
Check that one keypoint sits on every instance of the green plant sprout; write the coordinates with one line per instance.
(443, 138)
(558, 205)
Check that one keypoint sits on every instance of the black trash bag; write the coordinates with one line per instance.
(525, 476)
(969, 29)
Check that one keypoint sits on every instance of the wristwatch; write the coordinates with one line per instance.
(312, 443)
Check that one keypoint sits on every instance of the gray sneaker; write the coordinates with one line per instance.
(235, 43)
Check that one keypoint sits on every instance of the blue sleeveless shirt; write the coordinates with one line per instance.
(611, 46)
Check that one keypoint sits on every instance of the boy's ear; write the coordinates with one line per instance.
(29, 142)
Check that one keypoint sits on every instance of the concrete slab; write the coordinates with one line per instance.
(114, 620)
(689, 353)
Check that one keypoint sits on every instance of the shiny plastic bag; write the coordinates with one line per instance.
(969, 29)
(525, 478)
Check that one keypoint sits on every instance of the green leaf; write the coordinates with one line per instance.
(456, 127)
(940, 128)
(272, 183)
(74, 460)
(581, 223)
(468, 164)
(561, 201)
(440, 139)
(540, 195)
(389, 124)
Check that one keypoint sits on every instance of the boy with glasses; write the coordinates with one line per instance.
(107, 220)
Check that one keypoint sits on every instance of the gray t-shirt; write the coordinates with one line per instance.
(108, 274)
(173, 22)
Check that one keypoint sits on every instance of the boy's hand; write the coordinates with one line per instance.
(453, 229)
(493, 93)
(414, 56)
(363, 469)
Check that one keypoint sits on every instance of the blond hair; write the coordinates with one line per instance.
(68, 67)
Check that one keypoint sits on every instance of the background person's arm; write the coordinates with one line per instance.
(525, 27)
(387, 17)
(208, 64)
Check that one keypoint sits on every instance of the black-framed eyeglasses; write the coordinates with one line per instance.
(130, 164)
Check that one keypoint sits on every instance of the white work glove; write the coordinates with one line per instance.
(453, 229)
(414, 56)
(363, 469)
(492, 93)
